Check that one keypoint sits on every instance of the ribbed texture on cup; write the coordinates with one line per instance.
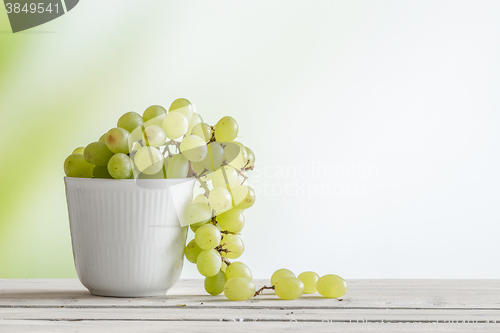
(127, 241)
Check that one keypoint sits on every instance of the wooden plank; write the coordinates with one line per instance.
(249, 314)
(64, 305)
(24, 326)
(362, 294)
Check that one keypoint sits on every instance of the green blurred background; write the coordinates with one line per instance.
(408, 89)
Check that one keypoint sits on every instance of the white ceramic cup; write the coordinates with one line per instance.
(126, 236)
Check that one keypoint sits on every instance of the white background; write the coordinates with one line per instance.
(375, 123)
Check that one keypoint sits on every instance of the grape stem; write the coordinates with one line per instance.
(212, 139)
(225, 232)
(203, 184)
(227, 262)
(167, 149)
(242, 174)
(240, 171)
(220, 248)
(258, 292)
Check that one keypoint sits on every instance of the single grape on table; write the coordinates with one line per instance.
(239, 289)
(309, 279)
(288, 288)
(331, 286)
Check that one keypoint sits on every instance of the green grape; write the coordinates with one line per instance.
(220, 199)
(76, 166)
(244, 196)
(289, 288)
(195, 226)
(183, 106)
(158, 120)
(226, 177)
(233, 244)
(191, 251)
(158, 175)
(236, 155)
(97, 153)
(202, 130)
(207, 236)
(197, 212)
(214, 285)
(148, 160)
(223, 266)
(175, 125)
(250, 156)
(155, 136)
(208, 262)
(309, 279)
(214, 158)
(178, 167)
(101, 172)
(226, 129)
(136, 139)
(153, 111)
(238, 269)
(103, 138)
(130, 121)
(232, 220)
(200, 198)
(120, 166)
(195, 119)
(117, 140)
(79, 150)
(283, 272)
(198, 167)
(331, 286)
(239, 289)
(231, 151)
(194, 148)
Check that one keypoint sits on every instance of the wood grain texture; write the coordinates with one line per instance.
(64, 305)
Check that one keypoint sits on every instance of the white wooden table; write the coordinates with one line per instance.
(64, 305)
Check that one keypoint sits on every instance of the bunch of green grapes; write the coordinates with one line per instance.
(177, 143)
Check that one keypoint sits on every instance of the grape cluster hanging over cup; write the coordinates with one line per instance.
(178, 144)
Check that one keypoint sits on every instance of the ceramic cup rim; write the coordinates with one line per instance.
(173, 180)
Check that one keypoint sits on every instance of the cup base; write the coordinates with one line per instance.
(128, 294)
